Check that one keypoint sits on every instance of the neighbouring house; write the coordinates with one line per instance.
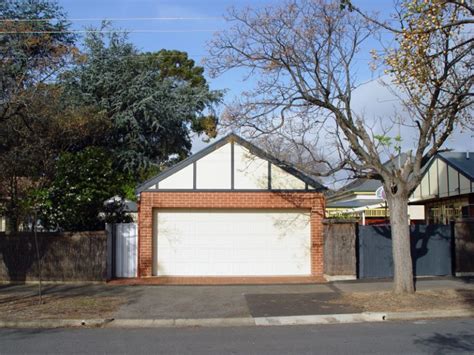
(231, 212)
(358, 200)
(447, 187)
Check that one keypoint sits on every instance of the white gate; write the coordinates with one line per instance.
(124, 238)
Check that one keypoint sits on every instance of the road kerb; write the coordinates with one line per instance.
(55, 323)
(454, 313)
(167, 323)
(321, 319)
(235, 322)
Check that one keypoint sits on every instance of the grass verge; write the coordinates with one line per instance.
(420, 301)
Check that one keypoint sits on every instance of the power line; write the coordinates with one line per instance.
(105, 31)
(115, 19)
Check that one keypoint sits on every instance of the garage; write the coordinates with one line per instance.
(230, 213)
(232, 243)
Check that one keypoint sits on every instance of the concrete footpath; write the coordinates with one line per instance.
(235, 305)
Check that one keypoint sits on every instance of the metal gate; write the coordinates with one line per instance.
(431, 249)
(123, 251)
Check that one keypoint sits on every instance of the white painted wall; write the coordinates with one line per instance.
(416, 212)
(182, 179)
(453, 177)
(417, 192)
(250, 171)
(425, 186)
(232, 243)
(282, 180)
(443, 178)
(464, 184)
(433, 174)
(214, 170)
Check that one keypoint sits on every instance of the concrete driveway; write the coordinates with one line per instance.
(151, 302)
(229, 301)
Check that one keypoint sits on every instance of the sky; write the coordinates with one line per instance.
(197, 22)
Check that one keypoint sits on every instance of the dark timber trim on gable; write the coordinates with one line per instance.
(218, 144)
(269, 176)
(232, 165)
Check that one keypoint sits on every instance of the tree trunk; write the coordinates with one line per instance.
(401, 246)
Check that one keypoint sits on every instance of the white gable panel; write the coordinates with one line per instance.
(416, 194)
(281, 180)
(250, 171)
(182, 179)
(453, 177)
(465, 184)
(433, 173)
(425, 186)
(213, 171)
(443, 178)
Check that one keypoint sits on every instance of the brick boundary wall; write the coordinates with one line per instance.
(149, 201)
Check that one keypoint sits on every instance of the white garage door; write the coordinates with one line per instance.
(231, 243)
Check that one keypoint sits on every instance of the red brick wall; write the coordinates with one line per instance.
(220, 200)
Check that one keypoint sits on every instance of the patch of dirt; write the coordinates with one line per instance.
(420, 301)
(21, 307)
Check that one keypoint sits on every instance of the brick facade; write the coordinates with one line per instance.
(149, 201)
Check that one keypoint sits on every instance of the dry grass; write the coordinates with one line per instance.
(420, 301)
(21, 307)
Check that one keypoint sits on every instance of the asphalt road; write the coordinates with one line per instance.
(441, 336)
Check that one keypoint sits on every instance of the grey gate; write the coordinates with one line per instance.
(431, 249)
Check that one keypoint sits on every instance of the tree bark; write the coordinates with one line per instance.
(401, 246)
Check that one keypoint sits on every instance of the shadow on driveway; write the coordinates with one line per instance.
(275, 305)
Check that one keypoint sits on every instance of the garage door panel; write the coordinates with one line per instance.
(232, 243)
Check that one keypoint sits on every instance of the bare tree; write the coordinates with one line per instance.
(304, 53)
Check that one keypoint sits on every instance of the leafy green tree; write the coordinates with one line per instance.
(83, 181)
(139, 108)
(32, 144)
(33, 49)
(153, 101)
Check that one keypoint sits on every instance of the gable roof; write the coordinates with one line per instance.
(232, 137)
(459, 161)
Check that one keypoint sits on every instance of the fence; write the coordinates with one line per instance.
(431, 251)
(64, 256)
(340, 257)
(464, 246)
